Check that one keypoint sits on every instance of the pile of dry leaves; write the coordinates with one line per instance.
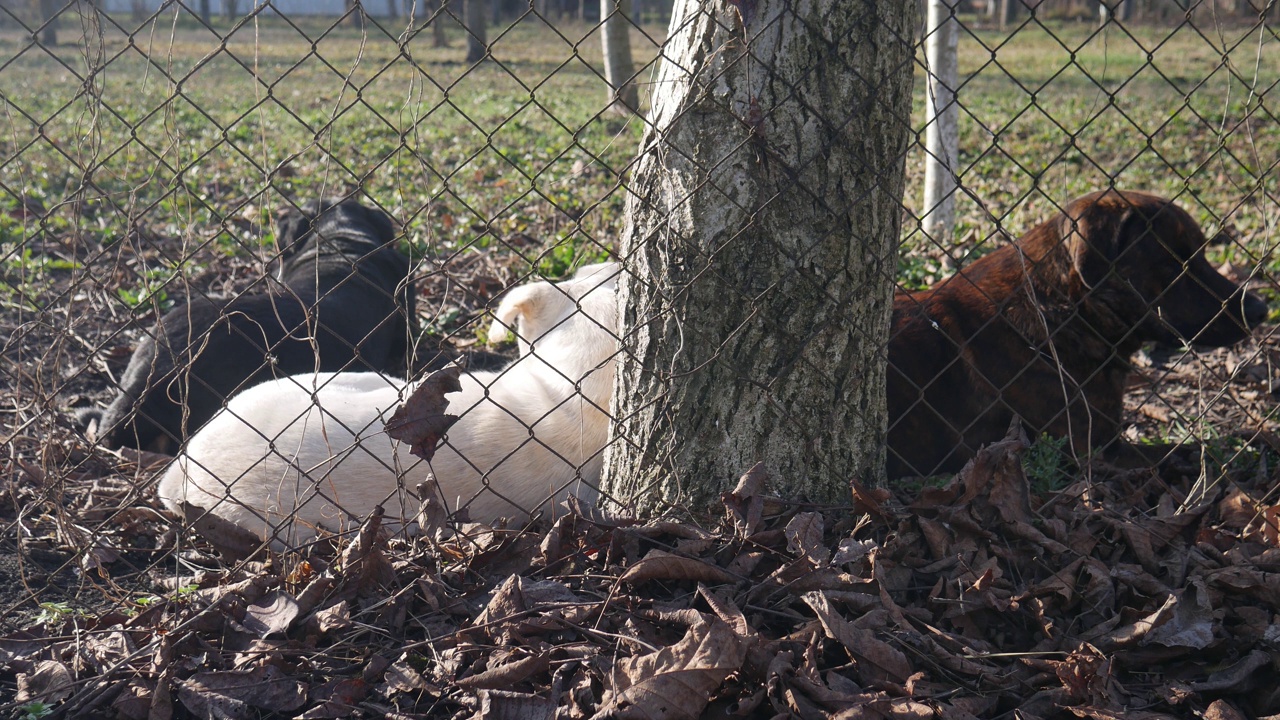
(1122, 595)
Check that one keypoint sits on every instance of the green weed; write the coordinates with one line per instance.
(1047, 464)
(34, 710)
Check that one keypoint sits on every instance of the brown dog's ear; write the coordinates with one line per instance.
(1096, 233)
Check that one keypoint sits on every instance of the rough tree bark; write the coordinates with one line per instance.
(624, 95)
(760, 251)
(477, 47)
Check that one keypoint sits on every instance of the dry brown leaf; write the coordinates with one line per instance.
(335, 617)
(229, 539)
(1102, 713)
(401, 677)
(364, 564)
(877, 660)
(339, 698)
(432, 515)
(133, 702)
(1249, 581)
(726, 610)
(1222, 710)
(234, 694)
(852, 551)
(870, 500)
(1191, 624)
(677, 682)
(804, 538)
(508, 674)
(273, 613)
(1271, 525)
(744, 503)
(504, 705)
(105, 651)
(659, 565)
(995, 474)
(48, 682)
(421, 419)
(1237, 509)
(1236, 677)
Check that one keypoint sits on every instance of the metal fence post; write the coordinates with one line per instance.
(941, 117)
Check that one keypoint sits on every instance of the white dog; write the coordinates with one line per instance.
(293, 455)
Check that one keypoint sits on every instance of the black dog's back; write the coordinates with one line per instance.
(342, 303)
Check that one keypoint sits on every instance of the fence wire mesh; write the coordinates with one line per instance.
(242, 234)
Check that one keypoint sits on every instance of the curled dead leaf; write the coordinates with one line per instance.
(421, 419)
(677, 682)
(659, 565)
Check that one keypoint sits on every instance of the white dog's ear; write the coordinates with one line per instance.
(517, 306)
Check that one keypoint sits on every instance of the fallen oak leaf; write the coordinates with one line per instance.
(49, 682)
(1235, 677)
(273, 613)
(659, 565)
(339, 698)
(877, 660)
(677, 682)
(505, 676)
(804, 538)
(506, 705)
(421, 419)
(232, 693)
(230, 540)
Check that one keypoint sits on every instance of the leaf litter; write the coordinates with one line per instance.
(1127, 594)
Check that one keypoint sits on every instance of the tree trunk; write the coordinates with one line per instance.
(231, 9)
(355, 13)
(1008, 12)
(206, 14)
(476, 45)
(760, 252)
(47, 12)
(624, 95)
(439, 14)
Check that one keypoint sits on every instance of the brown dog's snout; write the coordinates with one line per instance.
(1254, 308)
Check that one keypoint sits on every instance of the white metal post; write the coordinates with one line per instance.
(941, 118)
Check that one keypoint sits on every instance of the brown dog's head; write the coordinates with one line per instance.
(1142, 257)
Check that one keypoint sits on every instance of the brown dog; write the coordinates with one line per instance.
(1043, 329)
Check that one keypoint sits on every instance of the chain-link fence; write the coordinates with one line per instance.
(242, 234)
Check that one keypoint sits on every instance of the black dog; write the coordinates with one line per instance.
(342, 302)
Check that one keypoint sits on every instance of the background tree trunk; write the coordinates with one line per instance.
(205, 13)
(46, 10)
(624, 95)
(439, 15)
(356, 13)
(231, 8)
(1009, 12)
(760, 251)
(476, 45)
